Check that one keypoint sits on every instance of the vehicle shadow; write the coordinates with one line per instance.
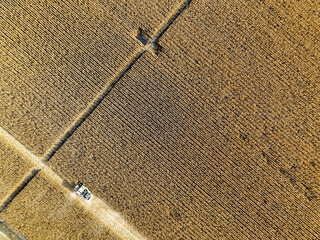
(68, 185)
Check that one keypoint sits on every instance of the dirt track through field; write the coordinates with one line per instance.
(112, 219)
(98, 208)
(167, 22)
(3, 236)
(91, 107)
(164, 26)
(7, 137)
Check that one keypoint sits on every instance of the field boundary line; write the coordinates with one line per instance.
(14, 188)
(9, 230)
(4, 236)
(22, 184)
(97, 207)
(90, 108)
(165, 24)
(20, 148)
(113, 220)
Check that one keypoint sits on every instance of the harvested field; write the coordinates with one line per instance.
(44, 208)
(214, 138)
(56, 59)
(13, 169)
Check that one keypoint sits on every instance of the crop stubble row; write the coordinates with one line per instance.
(306, 147)
(129, 100)
(201, 134)
(112, 124)
(67, 52)
(297, 18)
(293, 109)
(149, 15)
(158, 131)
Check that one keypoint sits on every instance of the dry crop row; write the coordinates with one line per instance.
(56, 61)
(297, 18)
(205, 134)
(155, 145)
(269, 86)
(149, 15)
(44, 208)
(13, 169)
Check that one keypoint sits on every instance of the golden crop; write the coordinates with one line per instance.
(215, 137)
(13, 168)
(211, 138)
(45, 210)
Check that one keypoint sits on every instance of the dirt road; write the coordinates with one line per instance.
(97, 207)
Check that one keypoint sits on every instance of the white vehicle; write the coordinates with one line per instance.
(82, 191)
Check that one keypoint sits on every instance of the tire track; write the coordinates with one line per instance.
(112, 219)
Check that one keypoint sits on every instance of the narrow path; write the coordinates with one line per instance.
(3, 236)
(97, 207)
(167, 22)
(111, 219)
(20, 148)
(85, 114)
(8, 138)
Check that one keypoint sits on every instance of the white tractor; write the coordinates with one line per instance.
(82, 191)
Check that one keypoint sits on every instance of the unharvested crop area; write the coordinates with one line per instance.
(56, 58)
(45, 209)
(59, 55)
(215, 137)
(13, 169)
(258, 75)
(149, 15)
